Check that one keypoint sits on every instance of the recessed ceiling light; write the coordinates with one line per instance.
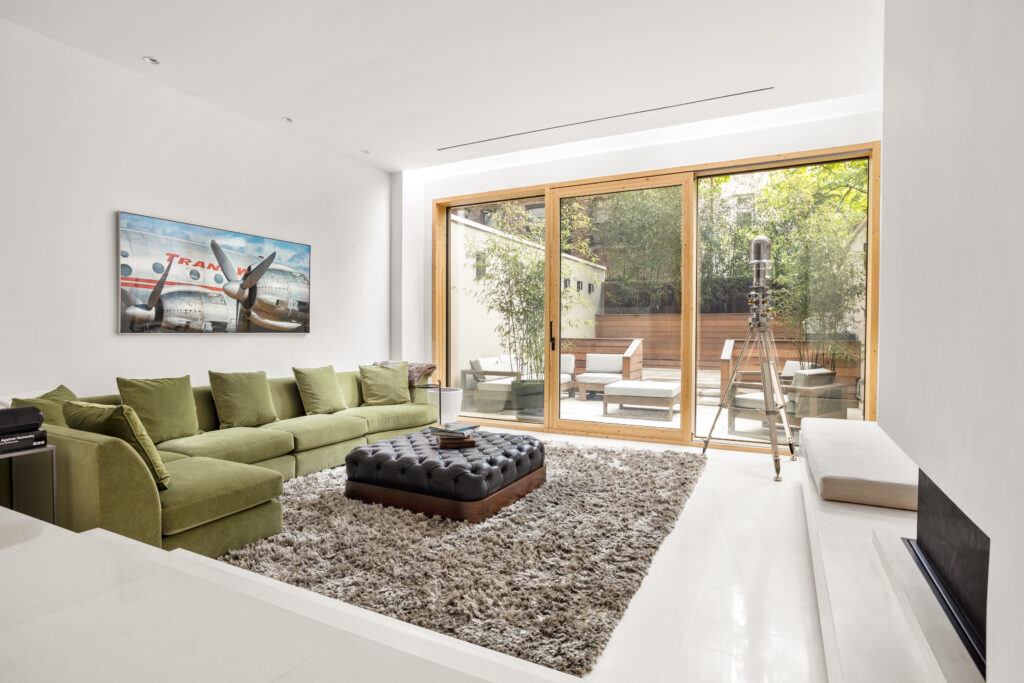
(151, 60)
(287, 119)
(365, 151)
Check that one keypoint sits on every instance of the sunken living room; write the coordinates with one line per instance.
(466, 341)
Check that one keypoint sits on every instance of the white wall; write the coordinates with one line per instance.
(806, 127)
(950, 307)
(81, 138)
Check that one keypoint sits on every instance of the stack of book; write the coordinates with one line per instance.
(454, 435)
(20, 429)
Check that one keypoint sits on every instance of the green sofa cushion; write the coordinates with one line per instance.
(320, 391)
(237, 444)
(170, 456)
(121, 422)
(243, 399)
(205, 490)
(287, 401)
(51, 404)
(165, 406)
(313, 431)
(383, 385)
(386, 418)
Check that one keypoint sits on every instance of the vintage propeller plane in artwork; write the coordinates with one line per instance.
(172, 283)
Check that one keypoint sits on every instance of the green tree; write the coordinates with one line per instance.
(511, 283)
(815, 216)
(639, 238)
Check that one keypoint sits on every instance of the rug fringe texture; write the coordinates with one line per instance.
(546, 579)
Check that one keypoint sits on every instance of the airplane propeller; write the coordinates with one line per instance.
(243, 291)
(146, 313)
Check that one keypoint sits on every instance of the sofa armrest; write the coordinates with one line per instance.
(103, 482)
(633, 360)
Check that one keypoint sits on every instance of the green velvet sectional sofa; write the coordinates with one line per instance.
(223, 482)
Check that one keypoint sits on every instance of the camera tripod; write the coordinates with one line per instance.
(759, 335)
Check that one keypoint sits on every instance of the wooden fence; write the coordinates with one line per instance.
(662, 337)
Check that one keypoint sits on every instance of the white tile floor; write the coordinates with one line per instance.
(730, 593)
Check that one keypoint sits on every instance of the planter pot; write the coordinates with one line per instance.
(449, 402)
(528, 396)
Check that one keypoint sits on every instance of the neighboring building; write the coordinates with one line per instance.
(473, 327)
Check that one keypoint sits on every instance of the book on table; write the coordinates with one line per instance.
(454, 430)
(23, 441)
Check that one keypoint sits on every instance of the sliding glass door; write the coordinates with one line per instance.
(616, 294)
(816, 217)
(618, 307)
(496, 330)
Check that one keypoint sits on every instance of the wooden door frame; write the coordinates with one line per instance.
(552, 309)
(871, 151)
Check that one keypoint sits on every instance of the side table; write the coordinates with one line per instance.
(53, 459)
(449, 401)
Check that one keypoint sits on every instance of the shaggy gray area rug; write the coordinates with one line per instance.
(546, 579)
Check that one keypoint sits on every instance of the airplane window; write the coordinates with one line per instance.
(194, 274)
(126, 270)
(218, 278)
(158, 267)
(124, 254)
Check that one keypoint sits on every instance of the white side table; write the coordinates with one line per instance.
(448, 401)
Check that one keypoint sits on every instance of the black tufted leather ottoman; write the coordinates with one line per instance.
(470, 484)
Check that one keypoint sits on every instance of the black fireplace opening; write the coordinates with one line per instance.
(952, 553)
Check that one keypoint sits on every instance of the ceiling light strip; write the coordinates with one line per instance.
(606, 118)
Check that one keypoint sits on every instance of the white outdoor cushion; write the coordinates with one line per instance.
(789, 368)
(755, 401)
(567, 364)
(604, 362)
(642, 388)
(598, 378)
(503, 385)
(501, 363)
(816, 377)
(564, 377)
(856, 462)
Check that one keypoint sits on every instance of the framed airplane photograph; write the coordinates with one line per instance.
(178, 277)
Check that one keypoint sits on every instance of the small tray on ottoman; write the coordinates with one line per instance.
(468, 484)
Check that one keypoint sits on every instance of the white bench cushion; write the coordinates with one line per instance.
(598, 378)
(755, 401)
(642, 388)
(604, 362)
(856, 462)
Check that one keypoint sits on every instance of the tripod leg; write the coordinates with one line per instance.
(728, 390)
(775, 447)
(774, 401)
(783, 416)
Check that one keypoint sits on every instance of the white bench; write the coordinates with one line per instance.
(642, 393)
(856, 462)
(860, 497)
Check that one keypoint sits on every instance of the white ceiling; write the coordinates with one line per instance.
(403, 78)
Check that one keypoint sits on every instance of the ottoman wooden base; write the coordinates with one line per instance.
(466, 510)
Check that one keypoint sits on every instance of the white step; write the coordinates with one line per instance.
(395, 635)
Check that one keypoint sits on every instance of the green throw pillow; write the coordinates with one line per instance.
(385, 386)
(51, 404)
(166, 406)
(120, 421)
(242, 398)
(319, 390)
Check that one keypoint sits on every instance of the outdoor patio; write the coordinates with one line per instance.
(708, 396)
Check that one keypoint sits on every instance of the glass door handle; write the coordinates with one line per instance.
(551, 333)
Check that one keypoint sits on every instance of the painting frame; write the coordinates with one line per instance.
(181, 277)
